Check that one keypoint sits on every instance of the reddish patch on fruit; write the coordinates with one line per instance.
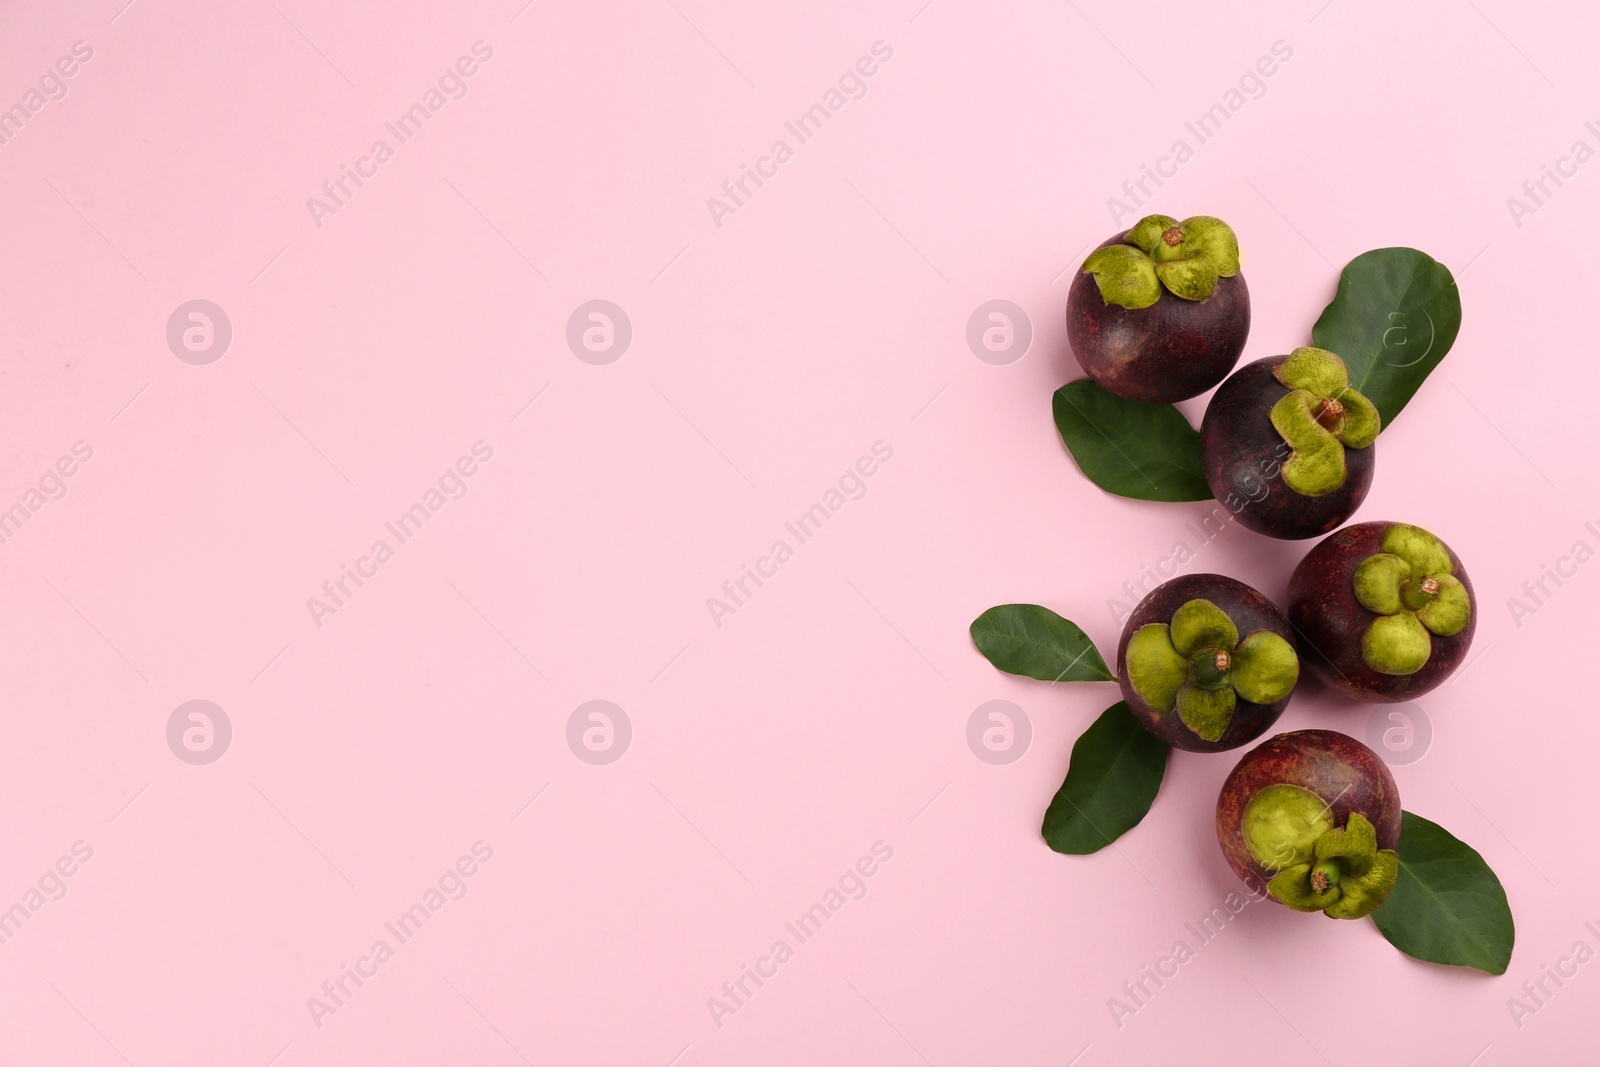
(1249, 611)
(1331, 621)
(1172, 350)
(1346, 774)
(1243, 455)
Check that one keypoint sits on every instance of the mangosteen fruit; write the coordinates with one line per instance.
(1160, 312)
(1206, 663)
(1384, 611)
(1288, 445)
(1314, 816)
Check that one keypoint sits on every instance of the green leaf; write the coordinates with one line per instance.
(1394, 317)
(1115, 773)
(1035, 642)
(1447, 906)
(1144, 451)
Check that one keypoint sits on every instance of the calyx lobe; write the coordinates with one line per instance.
(1408, 583)
(1318, 419)
(1186, 258)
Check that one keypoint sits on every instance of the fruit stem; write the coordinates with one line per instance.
(1211, 668)
(1324, 876)
(1329, 415)
(1416, 593)
(1169, 247)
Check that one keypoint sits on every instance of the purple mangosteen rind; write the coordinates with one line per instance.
(1332, 623)
(1167, 350)
(1244, 455)
(1313, 818)
(1250, 614)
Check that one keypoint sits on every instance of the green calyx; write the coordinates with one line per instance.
(1350, 875)
(1186, 258)
(1408, 584)
(1198, 666)
(1339, 871)
(1319, 418)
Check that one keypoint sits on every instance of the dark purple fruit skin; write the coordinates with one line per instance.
(1243, 456)
(1330, 621)
(1250, 611)
(1169, 351)
(1336, 767)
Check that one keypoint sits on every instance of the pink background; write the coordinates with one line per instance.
(768, 354)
